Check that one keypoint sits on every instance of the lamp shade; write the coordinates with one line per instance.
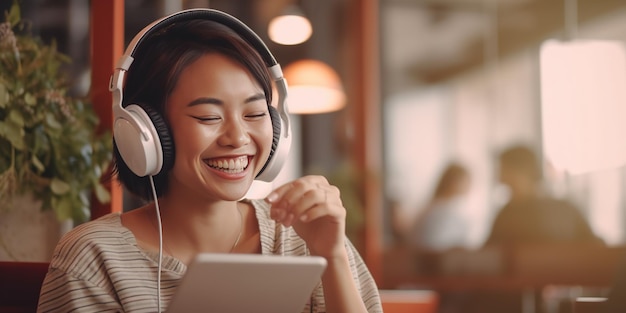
(290, 28)
(314, 87)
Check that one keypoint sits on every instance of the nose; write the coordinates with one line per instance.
(234, 134)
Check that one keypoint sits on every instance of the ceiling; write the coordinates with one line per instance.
(428, 41)
(422, 41)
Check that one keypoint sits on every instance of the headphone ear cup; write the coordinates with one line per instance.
(163, 131)
(143, 140)
(276, 129)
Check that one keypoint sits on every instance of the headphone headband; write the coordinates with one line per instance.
(207, 14)
(147, 143)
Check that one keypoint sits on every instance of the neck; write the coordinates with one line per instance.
(525, 191)
(189, 229)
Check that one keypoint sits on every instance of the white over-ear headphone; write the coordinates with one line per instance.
(141, 135)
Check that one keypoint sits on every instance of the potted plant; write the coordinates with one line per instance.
(49, 146)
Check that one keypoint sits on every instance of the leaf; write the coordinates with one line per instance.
(16, 117)
(62, 207)
(59, 187)
(14, 14)
(14, 134)
(30, 99)
(4, 96)
(38, 165)
(102, 194)
(41, 142)
(64, 154)
(52, 121)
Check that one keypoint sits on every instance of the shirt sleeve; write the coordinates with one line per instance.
(365, 282)
(61, 292)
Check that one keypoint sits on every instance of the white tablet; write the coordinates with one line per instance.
(238, 283)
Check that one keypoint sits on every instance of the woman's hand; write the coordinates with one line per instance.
(314, 208)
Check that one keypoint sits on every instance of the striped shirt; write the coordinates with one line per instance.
(99, 267)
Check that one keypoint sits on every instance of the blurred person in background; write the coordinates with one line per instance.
(532, 215)
(442, 224)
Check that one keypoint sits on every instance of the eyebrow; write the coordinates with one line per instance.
(207, 100)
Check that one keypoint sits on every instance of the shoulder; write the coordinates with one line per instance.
(262, 212)
(559, 204)
(92, 242)
(103, 229)
(261, 207)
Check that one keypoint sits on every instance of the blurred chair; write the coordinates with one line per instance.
(409, 301)
(20, 283)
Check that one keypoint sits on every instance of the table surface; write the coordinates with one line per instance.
(497, 269)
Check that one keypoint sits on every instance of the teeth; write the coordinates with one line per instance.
(230, 165)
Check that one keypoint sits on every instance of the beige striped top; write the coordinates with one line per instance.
(98, 267)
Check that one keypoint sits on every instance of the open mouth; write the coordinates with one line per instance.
(229, 165)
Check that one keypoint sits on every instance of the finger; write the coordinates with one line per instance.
(280, 201)
(314, 213)
(290, 200)
(278, 214)
(288, 220)
(279, 192)
(323, 202)
(312, 194)
(308, 199)
(288, 195)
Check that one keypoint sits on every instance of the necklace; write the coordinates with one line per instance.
(240, 229)
(241, 222)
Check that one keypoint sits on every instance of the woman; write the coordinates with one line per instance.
(442, 225)
(213, 92)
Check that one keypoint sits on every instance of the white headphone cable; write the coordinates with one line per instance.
(160, 230)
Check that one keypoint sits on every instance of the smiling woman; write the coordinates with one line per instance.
(206, 130)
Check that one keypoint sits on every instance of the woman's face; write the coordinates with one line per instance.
(221, 128)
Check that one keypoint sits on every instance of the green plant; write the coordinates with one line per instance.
(48, 140)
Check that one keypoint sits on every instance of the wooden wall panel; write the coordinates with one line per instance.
(367, 125)
(107, 45)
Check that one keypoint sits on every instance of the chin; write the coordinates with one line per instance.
(237, 191)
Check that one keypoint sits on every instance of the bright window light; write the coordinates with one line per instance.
(583, 101)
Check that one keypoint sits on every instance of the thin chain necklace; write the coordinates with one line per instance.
(240, 229)
(241, 222)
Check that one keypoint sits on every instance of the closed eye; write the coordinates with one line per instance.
(257, 115)
(206, 118)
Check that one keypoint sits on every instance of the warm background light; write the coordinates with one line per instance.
(314, 87)
(583, 96)
(292, 28)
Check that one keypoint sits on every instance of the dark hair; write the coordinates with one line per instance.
(158, 63)
(522, 159)
(451, 176)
